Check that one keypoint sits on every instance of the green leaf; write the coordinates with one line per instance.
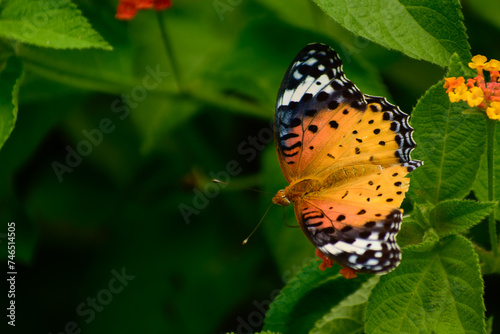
(428, 30)
(449, 143)
(435, 290)
(347, 316)
(10, 80)
(313, 290)
(417, 230)
(457, 216)
(50, 24)
(412, 233)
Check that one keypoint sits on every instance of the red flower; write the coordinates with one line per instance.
(348, 273)
(144, 4)
(162, 4)
(128, 8)
(326, 262)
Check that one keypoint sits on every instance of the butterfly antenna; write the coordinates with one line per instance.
(255, 229)
(240, 187)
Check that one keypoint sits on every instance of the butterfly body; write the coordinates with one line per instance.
(345, 156)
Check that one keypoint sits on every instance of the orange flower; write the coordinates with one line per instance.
(452, 83)
(470, 82)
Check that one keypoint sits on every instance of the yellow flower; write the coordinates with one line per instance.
(478, 62)
(476, 97)
(492, 65)
(459, 94)
(493, 111)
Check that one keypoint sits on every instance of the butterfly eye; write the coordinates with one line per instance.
(281, 199)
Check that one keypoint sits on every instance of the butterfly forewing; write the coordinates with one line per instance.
(311, 102)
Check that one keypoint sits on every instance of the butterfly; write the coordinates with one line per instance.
(345, 156)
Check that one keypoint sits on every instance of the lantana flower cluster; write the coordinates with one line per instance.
(476, 92)
(128, 8)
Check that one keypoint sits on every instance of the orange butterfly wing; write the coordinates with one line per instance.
(345, 155)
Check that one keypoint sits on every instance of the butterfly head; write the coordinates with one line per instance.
(280, 198)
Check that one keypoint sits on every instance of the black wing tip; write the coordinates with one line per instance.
(316, 47)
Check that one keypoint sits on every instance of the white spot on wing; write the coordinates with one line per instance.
(297, 75)
(311, 61)
(330, 249)
(287, 95)
(328, 89)
(302, 89)
(348, 248)
(361, 243)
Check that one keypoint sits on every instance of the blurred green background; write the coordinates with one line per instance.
(125, 242)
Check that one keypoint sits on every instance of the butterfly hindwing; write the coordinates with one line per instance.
(370, 247)
(357, 225)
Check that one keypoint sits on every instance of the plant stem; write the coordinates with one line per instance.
(168, 49)
(490, 133)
